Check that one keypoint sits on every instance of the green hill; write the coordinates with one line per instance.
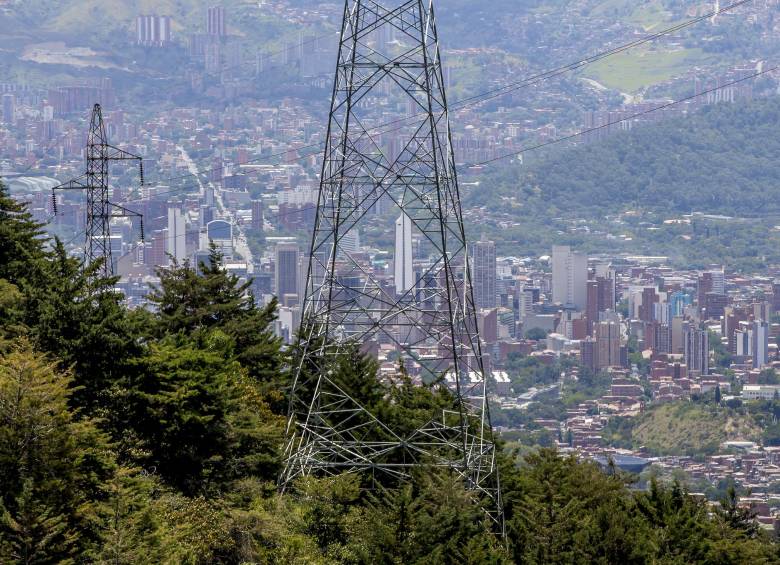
(721, 160)
(615, 195)
(682, 428)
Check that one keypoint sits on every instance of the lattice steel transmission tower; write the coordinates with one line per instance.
(389, 60)
(99, 153)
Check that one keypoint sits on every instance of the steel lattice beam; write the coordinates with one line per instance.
(99, 153)
(390, 53)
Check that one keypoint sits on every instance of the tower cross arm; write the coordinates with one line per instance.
(117, 154)
(79, 183)
(118, 211)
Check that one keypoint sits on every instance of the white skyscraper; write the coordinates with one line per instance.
(718, 281)
(569, 277)
(175, 245)
(350, 241)
(483, 272)
(404, 274)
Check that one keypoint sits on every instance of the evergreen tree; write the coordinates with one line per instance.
(189, 302)
(53, 467)
(79, 318)
(201, 420)
(433, 519)
(739, 518)
(22, 239)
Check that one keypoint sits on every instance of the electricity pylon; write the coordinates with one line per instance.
(389, 58)
(95, 182)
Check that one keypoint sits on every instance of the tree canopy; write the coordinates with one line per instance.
(155, 436)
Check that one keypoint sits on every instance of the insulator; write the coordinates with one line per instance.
(54, 203)
(141, 169)
(142, 229)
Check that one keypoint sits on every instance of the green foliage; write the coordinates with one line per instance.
(682, 428)
(65, 309)
(634, 169)
(651, 174)
(199, 418)
(163, 442)
(21, 252)
(193, 303)
(536, 334)
(53, 466)
(431, 520)
(564, 511)
(526, 372)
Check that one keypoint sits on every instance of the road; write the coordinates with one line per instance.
(239, 238)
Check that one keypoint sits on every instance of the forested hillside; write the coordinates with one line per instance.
(154, 437)
(722, 160)
(653, 190)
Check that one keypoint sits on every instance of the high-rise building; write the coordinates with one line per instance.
(678, 301)
(402, 258)
(286, 269)
(525, 302)
(697, 350)
(678, 327)
(350, 242)
(215, 21)
(153, 30)
(743, 341)
(176, 245)
(776, 296)
(569, 277)
(760, 344)
(257, 215)
(710, 282)
(732, 318)
(483, 266)
(154, 252)
(600, 298)
(762, 311)
(608, 344)
(589, 354)
(9, 108)
(647, 308)
(658, 337)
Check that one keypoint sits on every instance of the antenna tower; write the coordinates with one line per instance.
(95, 182)
(388, 60)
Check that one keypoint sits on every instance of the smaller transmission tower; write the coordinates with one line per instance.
(95, 182)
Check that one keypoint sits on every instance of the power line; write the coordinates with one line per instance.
(627, 118)
(530, 148)
(501, 91)
(511, 87)
(546, 143)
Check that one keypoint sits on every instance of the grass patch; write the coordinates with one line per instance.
(633, 70)
(684, 428)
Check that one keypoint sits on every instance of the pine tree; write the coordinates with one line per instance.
(22, 242)
(52, 466)
(201, 419)
(77, 317)
(189, 302)
(432, 519)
